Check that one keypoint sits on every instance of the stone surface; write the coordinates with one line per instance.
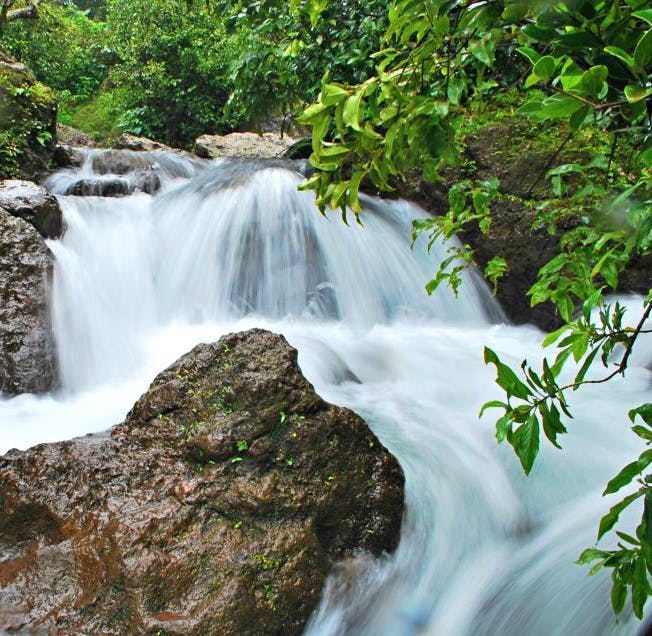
(217, 507)
(27, 357)
(138, 144)
(68, 156)
(68, 136)
(248, 144)
(34, 204)
(144, 181)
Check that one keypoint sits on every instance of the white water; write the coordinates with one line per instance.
(484, 550)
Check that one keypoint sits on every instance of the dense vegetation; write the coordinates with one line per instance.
(172, 71)
(392, 88)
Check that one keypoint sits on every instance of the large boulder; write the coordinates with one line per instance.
(247, 144)
(34, 204)
(218, 507)
(27, 122)
(27, 355)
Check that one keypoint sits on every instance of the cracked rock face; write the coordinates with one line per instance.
(218, 507)
(27, 353)
(34, 204)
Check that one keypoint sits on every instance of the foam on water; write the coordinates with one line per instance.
(140, 280)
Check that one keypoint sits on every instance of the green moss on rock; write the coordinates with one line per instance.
(27, 122)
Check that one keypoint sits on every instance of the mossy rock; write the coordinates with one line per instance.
(27, 122)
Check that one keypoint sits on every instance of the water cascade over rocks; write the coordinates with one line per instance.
(231, 245)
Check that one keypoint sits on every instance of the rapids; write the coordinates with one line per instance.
(230, 245)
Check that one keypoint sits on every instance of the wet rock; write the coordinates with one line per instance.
(248, 144)
(27, 357)
(218, 507)
(68, 156)
(119, 162)
(113, 186)
(138, 144)
(34, 204)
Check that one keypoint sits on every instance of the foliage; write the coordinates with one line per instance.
(174, 65)
(64, 48)
(591, 61)
(101, 116)
(293, 42)
(26, 124)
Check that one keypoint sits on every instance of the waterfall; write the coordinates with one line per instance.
(229, 245)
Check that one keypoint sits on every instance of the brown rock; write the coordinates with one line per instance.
(138, 144)
(34, 204)
(170, 523)
(68, 136)
(248, 144)
(27, 358)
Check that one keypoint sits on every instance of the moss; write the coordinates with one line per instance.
(27, 123)
(99, 116)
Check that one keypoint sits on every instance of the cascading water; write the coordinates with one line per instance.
(224, 247)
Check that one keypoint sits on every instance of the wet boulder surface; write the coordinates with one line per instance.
(34, 204)
(218, 507)
(27, 352)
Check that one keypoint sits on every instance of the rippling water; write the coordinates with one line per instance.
(232, 245)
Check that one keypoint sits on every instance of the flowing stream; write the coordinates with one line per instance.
(226, 246)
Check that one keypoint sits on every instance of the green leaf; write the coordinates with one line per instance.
(525, 441)
(456, 88)
(559, 106)
(609, 520)
(643, 50)
(545, 68)
(635, 93)
(481, 51)
(645, 14)
(554, 336)
(551, 422)
(643, 433)
(640, 587)
(502, 428)
(333, 93)
(591, 554)
(623, 56)
(594, 80)
(494, 270)
(586, 366)
(566, 307)
(618, 596)
(506, 378)
(530, 53)
(644, 411)
(578, 117)
(351, 112)
(492, 404)
(628, 473)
